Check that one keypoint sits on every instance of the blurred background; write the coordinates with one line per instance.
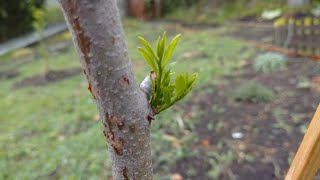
(258, 88)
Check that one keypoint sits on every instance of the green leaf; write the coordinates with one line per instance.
(170, 49)
(165, 92)
(192, 80)
(171, 88)
(147, 46)
(180, 84)
(152, 84)
(161, 47)
(158, 46)
(191, 83)
(167, 96)
(172, 64)
(161, 94)
(147, 58)
(167, 77)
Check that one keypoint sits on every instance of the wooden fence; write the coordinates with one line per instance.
(302, 35)
(307, 160)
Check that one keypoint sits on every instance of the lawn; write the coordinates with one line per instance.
(51, 130)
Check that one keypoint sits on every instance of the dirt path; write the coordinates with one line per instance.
(51, 77)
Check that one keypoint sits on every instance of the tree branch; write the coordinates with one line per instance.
(146, 85)
(98, 36)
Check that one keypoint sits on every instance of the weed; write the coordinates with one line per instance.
(253, 92)
(280, 122)
(191, 172)
(303, 84)
(269, 62)
(210, 126)
(303, 128)
(249, 158)
(219, 126)
(297, 118)
(219, 162)
(217, 109)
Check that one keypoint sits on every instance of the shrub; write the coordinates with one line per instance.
(253, 92)
(269, 62)
(16, 17)
(169, 5)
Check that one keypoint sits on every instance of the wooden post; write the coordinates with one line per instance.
(307, 160)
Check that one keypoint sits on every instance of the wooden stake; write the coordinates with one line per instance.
(307, 160)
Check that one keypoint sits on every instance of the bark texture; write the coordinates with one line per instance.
(98, 36)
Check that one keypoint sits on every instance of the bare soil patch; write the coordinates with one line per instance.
(8, 74)
(271, 131)
(50, 77)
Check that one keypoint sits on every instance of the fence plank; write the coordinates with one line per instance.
(304, 38)
(307, 160)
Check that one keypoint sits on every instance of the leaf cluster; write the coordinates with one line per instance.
(165, 92)
(39, 23)
(269, 62)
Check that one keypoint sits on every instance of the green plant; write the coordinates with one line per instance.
(219, 161)
(253, 92)
(280, 122)
(39, 22)
(303, 83)
(16, 17)
(164, 92)
(269, 62)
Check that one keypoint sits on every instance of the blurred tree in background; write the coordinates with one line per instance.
(16, 17)
(169, 5)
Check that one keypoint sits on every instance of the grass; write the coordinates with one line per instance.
(51, 132)
(208, 11)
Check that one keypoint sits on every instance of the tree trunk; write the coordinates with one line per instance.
(98, 36)
(297, 3)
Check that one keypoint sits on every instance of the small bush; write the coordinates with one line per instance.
(253, 92)
(16, 17)
(269, 62)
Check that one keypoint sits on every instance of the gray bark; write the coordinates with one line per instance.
(298, 3)
(98, 36)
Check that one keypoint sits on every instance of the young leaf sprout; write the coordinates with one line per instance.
(164, 91)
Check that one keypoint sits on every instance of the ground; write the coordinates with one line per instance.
(271, 131)
(50, 127)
